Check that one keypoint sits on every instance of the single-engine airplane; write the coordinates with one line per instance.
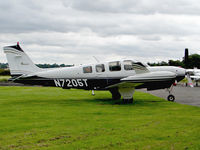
(120, 77)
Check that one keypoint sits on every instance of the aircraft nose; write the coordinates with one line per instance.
(180, 71)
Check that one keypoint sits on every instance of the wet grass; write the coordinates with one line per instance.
(53, 118)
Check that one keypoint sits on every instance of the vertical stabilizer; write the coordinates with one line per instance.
(19, 62)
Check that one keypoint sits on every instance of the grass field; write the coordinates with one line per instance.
(4, 78)
(52, 118)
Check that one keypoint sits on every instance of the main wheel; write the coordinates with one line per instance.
(171, 98)
(130, 101)
(125, 101)
(115, 94)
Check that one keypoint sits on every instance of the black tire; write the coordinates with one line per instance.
(115, 94)
(130, 101)
(171, 98)
(125, 101)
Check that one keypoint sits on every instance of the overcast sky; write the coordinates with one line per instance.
(73, 31)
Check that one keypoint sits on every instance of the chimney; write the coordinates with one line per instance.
(186, 58)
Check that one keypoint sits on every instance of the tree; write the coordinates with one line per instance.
(176, 63)
(3, 65)
(194, 61)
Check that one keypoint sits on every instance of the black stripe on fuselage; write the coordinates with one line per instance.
(92, 84)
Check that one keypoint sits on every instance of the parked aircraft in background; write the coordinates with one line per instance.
(120, 77)
(191, 74)
(194, 74)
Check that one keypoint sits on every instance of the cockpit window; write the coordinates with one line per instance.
(87, 69)
(137, 66)
(128, 65)
(100, 68)
(115, 66)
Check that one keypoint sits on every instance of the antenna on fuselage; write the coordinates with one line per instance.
(96, 59)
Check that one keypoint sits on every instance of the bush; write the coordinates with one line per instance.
(4, 72)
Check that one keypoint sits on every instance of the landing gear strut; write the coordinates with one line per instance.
(126, 93)
(170, 97)
(115, 94)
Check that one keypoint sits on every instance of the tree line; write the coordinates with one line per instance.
(193, 61)
(53, 65)
(5, 71)
(5, 65)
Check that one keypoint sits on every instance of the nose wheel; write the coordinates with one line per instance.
(171, 98)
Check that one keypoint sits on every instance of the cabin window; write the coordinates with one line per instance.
(128, 65)
(87, 69)
(115, 66)
(100, 68)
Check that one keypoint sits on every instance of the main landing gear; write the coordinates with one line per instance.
(170, 97)
(128, 101)
(115, 94)
(126, 93)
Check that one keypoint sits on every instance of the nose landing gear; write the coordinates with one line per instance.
(170, 97)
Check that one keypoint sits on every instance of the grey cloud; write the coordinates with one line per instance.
(32, 16)
(151, 38)
(139, 6)
(79, 50)
(81, 29)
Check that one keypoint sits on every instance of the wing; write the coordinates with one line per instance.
(139, 79)
(195, 77)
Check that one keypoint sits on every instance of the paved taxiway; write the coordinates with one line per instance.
(183, 95)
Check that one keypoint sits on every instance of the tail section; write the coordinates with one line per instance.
(19, 62)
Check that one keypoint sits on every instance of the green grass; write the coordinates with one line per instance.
(4, 78)
(53, 118)
(184, 80)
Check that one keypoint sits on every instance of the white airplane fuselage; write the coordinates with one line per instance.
(74, 77)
